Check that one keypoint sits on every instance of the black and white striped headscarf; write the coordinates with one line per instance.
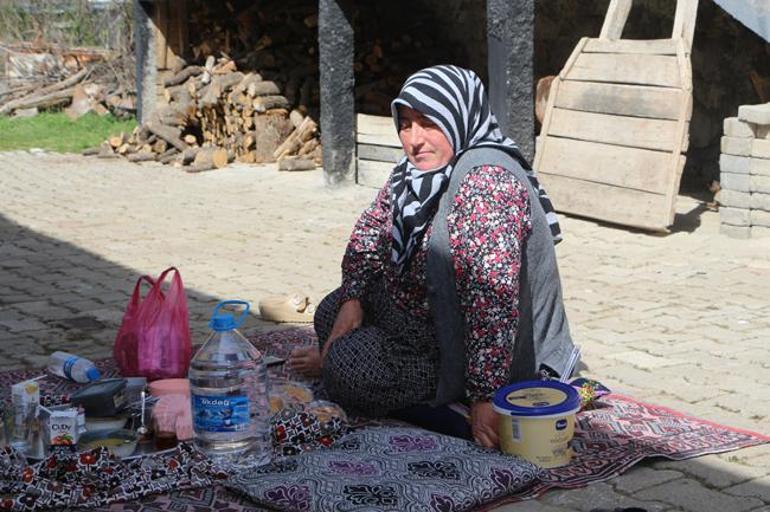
(455, 100)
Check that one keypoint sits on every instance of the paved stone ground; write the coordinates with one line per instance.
(681, 320)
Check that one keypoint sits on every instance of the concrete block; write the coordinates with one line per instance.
(759, 166)
(735, 216)
(760, 218)
(763, 131)
(757, 184)
(757, 114)
(760, 201)
(734, 127)
(734, 181)
(760, 148)
(760, 232)
(736, 164)
(741, 232)
(734, 199)
(736, 146)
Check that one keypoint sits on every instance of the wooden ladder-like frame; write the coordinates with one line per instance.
(617, 123)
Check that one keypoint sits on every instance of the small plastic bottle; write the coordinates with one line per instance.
(73, 367)
(229, 388)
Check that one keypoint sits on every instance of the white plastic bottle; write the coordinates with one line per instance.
(73, 367)
(229, 392)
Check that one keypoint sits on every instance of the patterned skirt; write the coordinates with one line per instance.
(389, 363)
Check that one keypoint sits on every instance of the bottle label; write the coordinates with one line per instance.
(220, 413)
(68, 364)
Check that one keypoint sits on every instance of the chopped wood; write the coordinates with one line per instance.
(263, 103)
(224, 68)
(229, 80)
(199, 168)
(141, 157)
(248, 79)
(296, 163)
(305, 130)
(55, 94)
(232, 116)
(23, 89)
(183, 75)
(541, 96)
(99, 109)
(188, 155)
(81, 103)
(247, 158)
(169, 134)
(117, 140)
(264, 88)
(39, 101)
(160, 146)
(308, 147)
(296, 117)
(171, 115)
(168, 156)
(67, 82)
(214, 157)
(271, 131)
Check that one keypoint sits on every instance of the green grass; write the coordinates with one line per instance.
(56, 132)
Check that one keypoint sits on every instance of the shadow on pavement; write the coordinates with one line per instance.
(57, 296)
(690, 221)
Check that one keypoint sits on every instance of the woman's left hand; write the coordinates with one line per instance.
(484, 424)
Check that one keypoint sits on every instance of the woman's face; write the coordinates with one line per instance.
(424, 143)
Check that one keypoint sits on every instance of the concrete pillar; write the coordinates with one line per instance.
(510, 46)
(336, 52)
(146, 69)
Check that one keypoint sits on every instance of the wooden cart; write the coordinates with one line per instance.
(617, 124)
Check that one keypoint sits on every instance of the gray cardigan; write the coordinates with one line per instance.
(543, 333)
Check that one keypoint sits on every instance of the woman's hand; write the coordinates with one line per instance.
(484, 424)
(349, 317)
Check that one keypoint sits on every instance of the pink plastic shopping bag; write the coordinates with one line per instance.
(154, 338)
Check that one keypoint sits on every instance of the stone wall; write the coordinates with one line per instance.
(745, 173)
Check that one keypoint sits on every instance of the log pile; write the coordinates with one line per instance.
(216, 114)
(279, 40)
(92, 88)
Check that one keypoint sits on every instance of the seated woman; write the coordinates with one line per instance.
(450, 288)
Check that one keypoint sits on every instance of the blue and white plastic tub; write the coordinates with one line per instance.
(537, 421)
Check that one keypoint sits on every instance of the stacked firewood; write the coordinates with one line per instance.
(92, 88)
(277, 39)
(216, 114)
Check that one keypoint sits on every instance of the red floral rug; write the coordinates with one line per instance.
(609, 439)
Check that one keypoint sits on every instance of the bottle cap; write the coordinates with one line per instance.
(93, 374)
(222, 322)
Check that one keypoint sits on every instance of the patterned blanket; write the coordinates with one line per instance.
(609, 439)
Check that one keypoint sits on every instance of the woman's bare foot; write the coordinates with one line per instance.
(306, 361)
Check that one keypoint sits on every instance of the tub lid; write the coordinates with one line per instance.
(536, 398)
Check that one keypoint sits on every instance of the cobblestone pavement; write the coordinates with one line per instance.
(681, 320)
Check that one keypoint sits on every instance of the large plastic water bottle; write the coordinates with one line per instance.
(73, 367)
(229, 388)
